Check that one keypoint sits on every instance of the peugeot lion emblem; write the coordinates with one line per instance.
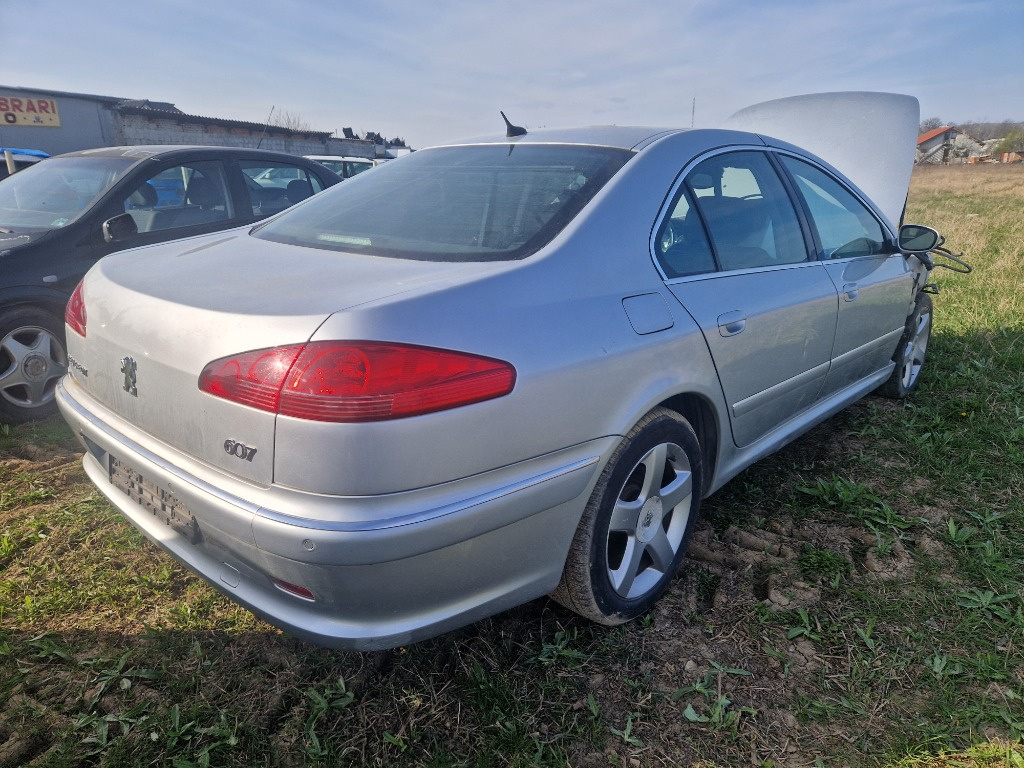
(128, 368)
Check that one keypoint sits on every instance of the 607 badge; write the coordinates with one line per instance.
(239, 450)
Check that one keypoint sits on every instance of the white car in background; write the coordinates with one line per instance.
(346, 167)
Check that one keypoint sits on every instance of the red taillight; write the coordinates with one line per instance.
(252, 378)
(355, 381)
(74, 313)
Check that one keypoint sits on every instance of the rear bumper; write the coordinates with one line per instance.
(414, 565)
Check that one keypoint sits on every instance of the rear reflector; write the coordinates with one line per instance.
(74, 313)
(294, 589)
(356, 381)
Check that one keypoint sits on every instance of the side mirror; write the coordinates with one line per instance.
(119, 228)
(915, 238)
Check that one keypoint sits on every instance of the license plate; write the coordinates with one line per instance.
(159, 501)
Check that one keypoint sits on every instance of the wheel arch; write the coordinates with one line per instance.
(702, 416)
(33, 357)
(52, 301)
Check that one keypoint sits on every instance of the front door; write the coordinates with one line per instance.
(871, 277)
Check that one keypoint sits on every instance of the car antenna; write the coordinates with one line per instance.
(512, 130)
(265, 126)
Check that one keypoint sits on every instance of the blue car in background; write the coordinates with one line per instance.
(15, 160)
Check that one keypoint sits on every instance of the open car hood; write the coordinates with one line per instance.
(869, 137)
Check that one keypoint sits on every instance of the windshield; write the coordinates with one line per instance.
(472, 203)
(53, 193)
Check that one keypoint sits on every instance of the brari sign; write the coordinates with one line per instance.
(18, 110)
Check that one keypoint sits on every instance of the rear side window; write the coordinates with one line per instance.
(682, 246)
(845, 226)
(471, 203)
(747, 211)
(338, 166)
(352, 167)
(273, 186)
(731, 212)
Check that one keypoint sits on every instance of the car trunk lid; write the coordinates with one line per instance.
(157, 316)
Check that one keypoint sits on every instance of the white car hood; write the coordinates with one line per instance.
(869, 137)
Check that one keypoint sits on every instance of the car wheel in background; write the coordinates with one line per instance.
(32, 361)
(635, 528)
(910, 352)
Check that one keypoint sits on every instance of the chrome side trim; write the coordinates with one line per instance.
(435, 513)
(888, 340)
(748, 404)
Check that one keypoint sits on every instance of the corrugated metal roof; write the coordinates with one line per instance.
(163, 106)
(150, 110)
(87, 96)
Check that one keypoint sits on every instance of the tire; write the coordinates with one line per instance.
(634, 531)
(32, 361)
(910, 352)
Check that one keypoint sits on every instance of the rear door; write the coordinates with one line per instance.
(733, 251)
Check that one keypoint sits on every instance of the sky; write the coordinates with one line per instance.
(430, 72)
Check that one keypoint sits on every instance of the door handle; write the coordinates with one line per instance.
(731, 323)
(850, 291)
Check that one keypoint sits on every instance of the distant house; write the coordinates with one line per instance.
(946, 145)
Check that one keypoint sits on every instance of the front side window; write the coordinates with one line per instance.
(845, 226)
(53, 193)
(470, 203)
(180, 196)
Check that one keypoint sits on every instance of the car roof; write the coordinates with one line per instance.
(353, 158)
(160, 151)
(630, 137)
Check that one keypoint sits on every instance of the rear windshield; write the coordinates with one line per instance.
(55, 192)
(472, 203)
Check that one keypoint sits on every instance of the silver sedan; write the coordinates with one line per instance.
(508, 367)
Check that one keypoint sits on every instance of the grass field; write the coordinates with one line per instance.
(855, 599)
